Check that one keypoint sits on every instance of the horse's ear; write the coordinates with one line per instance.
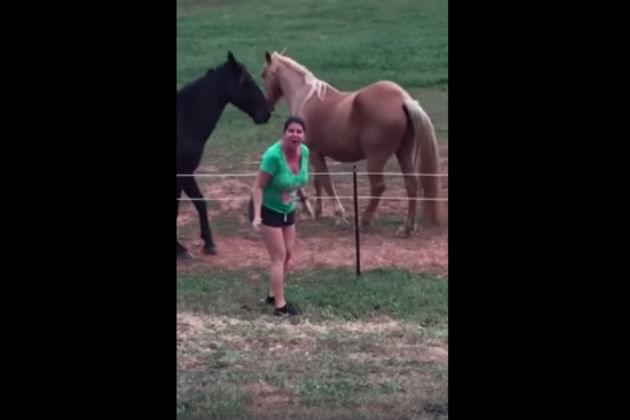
(230, 57)
(267, 57)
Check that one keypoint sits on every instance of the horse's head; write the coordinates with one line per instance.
(270, 80)
(243, 91)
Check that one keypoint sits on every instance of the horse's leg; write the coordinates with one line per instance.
(319, 162)
(306, 204)
(377, 187)
(192, 190)
(314, 159)
(405, 156)
(182, 252)
(318, 198)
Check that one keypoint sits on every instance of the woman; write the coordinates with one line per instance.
(283, 169)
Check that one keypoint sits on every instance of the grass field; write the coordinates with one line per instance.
(370, 347)
(349, 44)
(373, 347)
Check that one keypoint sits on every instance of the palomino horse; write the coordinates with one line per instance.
(371, 123)
(199, 106)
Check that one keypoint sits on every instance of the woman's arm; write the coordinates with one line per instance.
(261, 181)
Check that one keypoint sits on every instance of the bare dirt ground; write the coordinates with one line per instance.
(319, 243)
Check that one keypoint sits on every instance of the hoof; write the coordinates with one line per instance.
(185, 256)
(403, 232)
(309, 210)
(210, 250)
(341, 222)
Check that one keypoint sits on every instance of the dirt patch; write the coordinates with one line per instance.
(319, 243)
(416, 352)
(266, 399)
(425, 252)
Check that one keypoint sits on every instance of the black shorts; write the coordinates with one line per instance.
(272, 218)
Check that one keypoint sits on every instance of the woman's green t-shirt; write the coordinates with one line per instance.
(280, 193)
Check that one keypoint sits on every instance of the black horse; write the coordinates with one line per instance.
(199, 106)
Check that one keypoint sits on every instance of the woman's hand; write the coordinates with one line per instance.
(256, 223)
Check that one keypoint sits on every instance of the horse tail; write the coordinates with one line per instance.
(425, 158)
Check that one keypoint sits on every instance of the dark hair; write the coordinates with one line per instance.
(293, 119)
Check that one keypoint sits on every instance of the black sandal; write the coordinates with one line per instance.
(286, 310)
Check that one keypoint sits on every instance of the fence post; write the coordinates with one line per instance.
(356, 219)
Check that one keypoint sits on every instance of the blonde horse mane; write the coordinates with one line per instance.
(316, 86)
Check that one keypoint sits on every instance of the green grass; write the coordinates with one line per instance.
(327, 385)
(321, 294)
(346, 43)
(361, 349)
(225, 403)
